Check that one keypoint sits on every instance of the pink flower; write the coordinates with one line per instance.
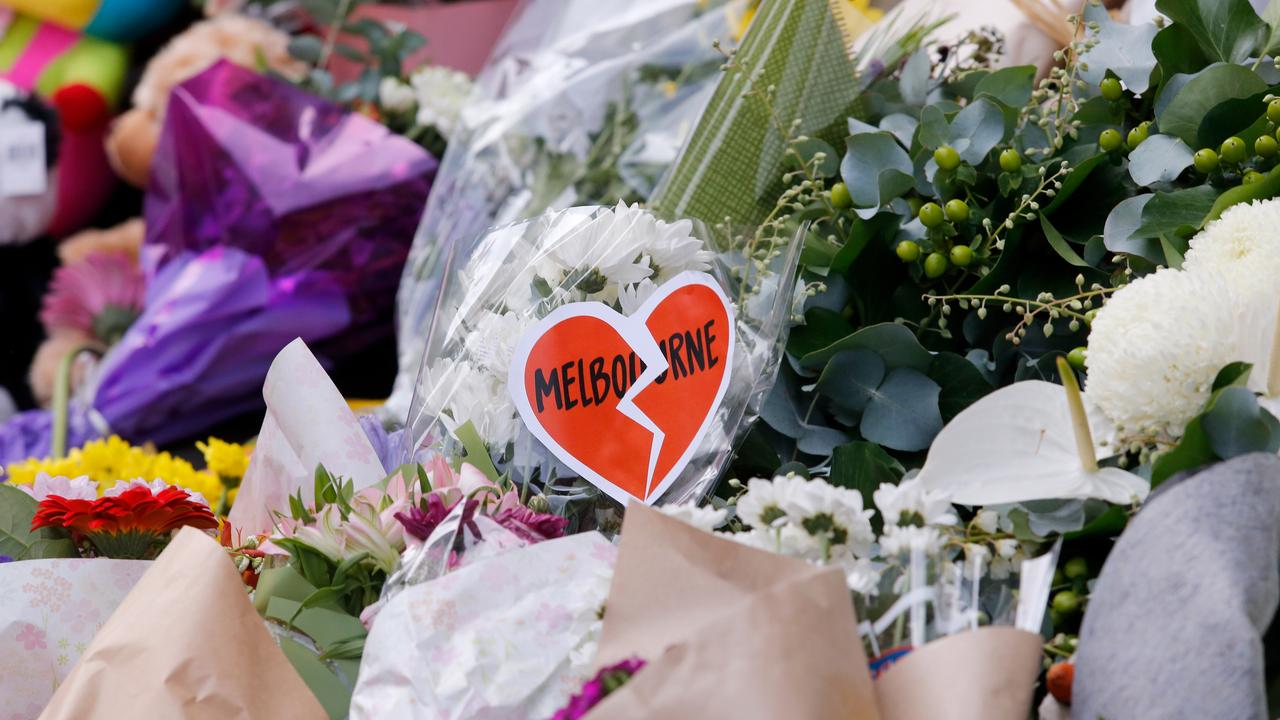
(32, 637)
(100, 295)
(606, 681)
(81, 488)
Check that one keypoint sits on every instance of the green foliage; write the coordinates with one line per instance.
(18, 540)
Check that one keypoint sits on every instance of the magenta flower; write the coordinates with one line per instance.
(531, 526)
(421, 523)
(100, 295)
(598, 688)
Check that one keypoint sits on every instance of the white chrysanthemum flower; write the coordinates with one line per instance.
(461, 392)
(909, 503)
(1155, 348)
(673, 249)
(395, 95)
(988, 521)
(903, 539)
(633, 297)
(79, 488)
(703, 518)
(441, 92)
(829, 512)
(1243, 247)
(493, 342)
(761, 506)
(788, 540)
(861, 575)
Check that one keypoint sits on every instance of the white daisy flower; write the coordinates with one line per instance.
(909, 503)
(701, 517)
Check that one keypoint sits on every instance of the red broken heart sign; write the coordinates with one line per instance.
(625, 401)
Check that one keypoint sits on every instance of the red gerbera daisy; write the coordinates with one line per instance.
(131, 525)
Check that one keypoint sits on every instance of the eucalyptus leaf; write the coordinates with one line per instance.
(902, 414)
(306, 48)
(902, 126)
(1267, 187)
(851, 378)
(895, 343)
(1237, 425)
(976, 130)
(876, 169)
(1168, 212)
(913, 82)
(1123, 49)
(1119, 234)
(1011, 86)
(1160, 158)
(1226, 30)
(1202, 92)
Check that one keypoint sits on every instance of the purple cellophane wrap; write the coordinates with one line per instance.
(271, 214)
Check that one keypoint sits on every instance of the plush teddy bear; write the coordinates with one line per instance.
(245, 41)
(82, 77)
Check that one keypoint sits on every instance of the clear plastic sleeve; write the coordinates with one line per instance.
(619, 257)
(582, 103)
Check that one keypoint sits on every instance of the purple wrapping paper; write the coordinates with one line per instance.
(271, 214)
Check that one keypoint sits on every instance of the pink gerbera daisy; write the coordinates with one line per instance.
(100, 295)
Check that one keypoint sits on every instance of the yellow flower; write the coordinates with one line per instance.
(111, 460)
(227, 460)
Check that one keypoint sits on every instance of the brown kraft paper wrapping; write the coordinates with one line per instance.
(186, 644)
(984, 674)
(728, 630)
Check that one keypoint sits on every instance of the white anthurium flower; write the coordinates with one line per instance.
(1028, 441)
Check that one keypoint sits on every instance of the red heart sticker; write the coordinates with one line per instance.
(625, 401)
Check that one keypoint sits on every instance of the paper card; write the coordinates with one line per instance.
(49, 611)
(625, 401)
(22, 160)
(307, 424)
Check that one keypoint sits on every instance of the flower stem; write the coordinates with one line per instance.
(1079, 423)
(62, 399)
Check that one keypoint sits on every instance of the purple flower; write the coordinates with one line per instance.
(421, 523)
(5, 559)
(531, 526)
(598, 688)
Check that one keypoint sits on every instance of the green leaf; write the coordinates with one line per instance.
(1120, 235)
(895, 343)
(1160, 158)
(18, 540)
(333, 696)
(876, 169)
(1179, 210)
(1074, 179)
(306, 48)
(1267, 187)
(1192, 451)
(830, 164)
(960, 383)
(1011, 86)
(1235, 374)
(1059, 244)
(902, 414)
(1123, 49)
(1181, 116)
(864, 466)
(851, 378)
(976, 130)
(1236, 425)
(477, 451)
(1226, 30)
(1271, 16)
(1177, 52)
(913, 81)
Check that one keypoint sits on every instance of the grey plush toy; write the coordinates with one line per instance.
(1176, 619)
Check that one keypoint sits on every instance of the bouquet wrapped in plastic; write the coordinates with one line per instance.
(605, 345)
(271, 214)
(581, 103)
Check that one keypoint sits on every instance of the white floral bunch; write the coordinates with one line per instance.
(1157, 344)
(435, 94)
(617, 256)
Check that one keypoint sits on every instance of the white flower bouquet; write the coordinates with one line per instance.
(619, 265)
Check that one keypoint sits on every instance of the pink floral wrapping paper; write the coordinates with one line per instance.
(506, 638)
(49, 611)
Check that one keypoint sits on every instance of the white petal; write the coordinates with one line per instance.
(1016, 445)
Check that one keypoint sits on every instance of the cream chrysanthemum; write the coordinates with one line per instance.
(1242, 245)
(1155, 348)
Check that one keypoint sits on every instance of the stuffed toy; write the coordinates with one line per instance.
(114, 20)
(27, 203)
(82, 78)
(242, 40)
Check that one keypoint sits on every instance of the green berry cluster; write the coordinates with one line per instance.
(945, 222)
(1233, 160)
(1073, 579)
